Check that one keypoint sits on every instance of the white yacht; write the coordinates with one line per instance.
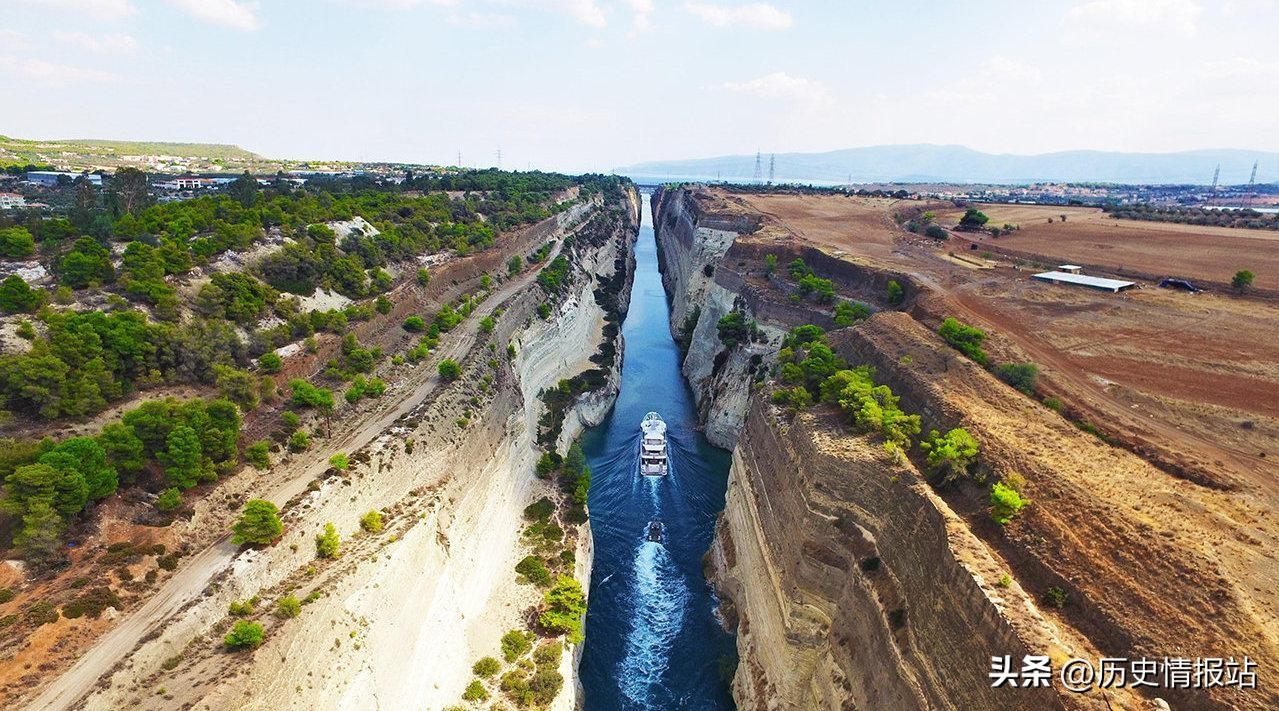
(653, 445)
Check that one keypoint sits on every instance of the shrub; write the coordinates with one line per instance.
(895, 293)
(307, 395)
(328, 542)
(544, 310)
(964, 338)
(450, 370)
(371, 522)
(950, 454)
(271, 362)
(734, 329)
(1056, 597)
(340, 462)
(475, 691)
(241, 608)
(1053, 404)
(548, 654)
(794, 399)
(1005, 503)
(299, 441)
(539, 510)
(770, 263)
(92, 603)
(872, 408)
(545, 685)
(486, 667)
(534, 570)
(545, 465)
(259, 454)
(259, 524)
(16, 296)
(566, 604)
(423, 277)
(822, 289)
(514, 644)
(514, 265)
(1021, 376)
(169, 499)
(290, 420)
(1242, 279)
(973, 218)
(935, 232)
(414, 324)
(288, 606)
(244, 635)
(487, 323)
(848, 313)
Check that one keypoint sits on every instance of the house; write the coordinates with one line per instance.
(1076, 279)
(9, 201)
(50, 177)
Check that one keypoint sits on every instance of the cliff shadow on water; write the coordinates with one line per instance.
(653, 638)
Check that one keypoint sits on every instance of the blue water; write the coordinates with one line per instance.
(652, 639)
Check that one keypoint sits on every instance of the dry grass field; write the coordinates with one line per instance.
(1192, 379)
(1151, 249)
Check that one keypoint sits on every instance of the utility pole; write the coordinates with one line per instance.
(772, 167)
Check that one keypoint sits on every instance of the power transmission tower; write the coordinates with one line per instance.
(1215, 175)
(772, 167)
(459, 159)
(499, 159)
(759, 168)
(1252, 181)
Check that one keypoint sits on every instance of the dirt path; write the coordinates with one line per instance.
(191, 579)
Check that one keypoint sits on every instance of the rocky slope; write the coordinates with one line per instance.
(852, 583)
(436, 589)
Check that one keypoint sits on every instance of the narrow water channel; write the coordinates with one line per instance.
(652, 639)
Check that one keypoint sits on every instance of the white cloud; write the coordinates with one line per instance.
(483, 20)
(759, 15)
(587, 12)
(1101, 16)
(236, 14)
(1002, 68)
(642, 19)
(102, 44)
(13, 40)
(51, 73)
(780, 85)
(101, 9)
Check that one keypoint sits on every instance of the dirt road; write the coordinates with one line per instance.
(190, 580)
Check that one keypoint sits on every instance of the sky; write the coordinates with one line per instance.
(582, 85)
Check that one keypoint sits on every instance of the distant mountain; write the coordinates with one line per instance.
(927, 163)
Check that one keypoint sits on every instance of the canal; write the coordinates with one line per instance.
(652, 637)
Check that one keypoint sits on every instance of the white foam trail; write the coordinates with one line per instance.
(659, 603)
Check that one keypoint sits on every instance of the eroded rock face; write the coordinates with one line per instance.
(852, 583)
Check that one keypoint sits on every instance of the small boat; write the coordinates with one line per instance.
(655, 531)
(653, 445)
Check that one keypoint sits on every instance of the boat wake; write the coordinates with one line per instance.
(659, 601)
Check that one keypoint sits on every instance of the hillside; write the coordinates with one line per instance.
(957, 164)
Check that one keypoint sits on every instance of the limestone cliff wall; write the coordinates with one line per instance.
(403, 615)
(852, 585)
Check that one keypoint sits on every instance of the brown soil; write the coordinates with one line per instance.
(1156, 249)
(1142, 365)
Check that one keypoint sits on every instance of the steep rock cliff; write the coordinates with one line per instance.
(436, 590)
